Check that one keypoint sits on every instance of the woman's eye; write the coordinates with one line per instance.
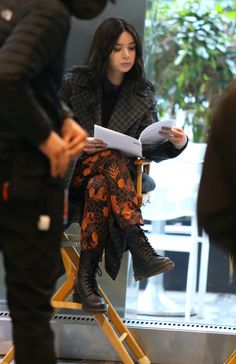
(116, 49)
(132, 48)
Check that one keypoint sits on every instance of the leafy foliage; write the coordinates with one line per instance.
(190, 53)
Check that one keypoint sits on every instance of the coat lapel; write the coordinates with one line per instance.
(128, 110)
(87, 106)
(86, 103)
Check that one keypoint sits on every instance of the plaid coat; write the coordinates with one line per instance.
(133, 112)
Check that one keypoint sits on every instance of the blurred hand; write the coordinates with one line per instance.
(94, 145)
(175, 135)
(55, 149)
(74, 136)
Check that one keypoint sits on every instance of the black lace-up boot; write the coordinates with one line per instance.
(146, 262)
(86, 288)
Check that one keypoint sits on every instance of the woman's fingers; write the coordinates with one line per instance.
(175, 135)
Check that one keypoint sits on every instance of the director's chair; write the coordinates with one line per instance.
(110, 323)
(142, 166)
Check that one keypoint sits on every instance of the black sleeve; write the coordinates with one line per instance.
(166, 150)
(162, 152)
(34, 42)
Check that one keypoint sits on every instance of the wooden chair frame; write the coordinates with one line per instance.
(143, 165)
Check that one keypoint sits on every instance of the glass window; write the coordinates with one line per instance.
(190, 51)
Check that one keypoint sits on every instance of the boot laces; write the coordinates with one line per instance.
(90, 279)
(145, 245)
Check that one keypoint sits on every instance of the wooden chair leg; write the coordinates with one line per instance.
(115, 340)
(124, 332)
(70, 259)
(231, 359)
(9, 357)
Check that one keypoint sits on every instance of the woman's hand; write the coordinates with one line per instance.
(94, 145)
(175, 135)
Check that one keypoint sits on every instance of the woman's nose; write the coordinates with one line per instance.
(125, 53)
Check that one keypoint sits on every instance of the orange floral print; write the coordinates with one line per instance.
(121, 183)
(87, 171)
(126, 211)
(86, 220)
(105, 187)
(94, 158)
(105, 211)
(91, 192)
(95, 237)
(130, 185)
(105, 153)
(115, 205)
(91, 159)
(102, 194)
(113, 171)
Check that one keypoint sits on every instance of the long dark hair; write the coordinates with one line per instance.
(103, 43)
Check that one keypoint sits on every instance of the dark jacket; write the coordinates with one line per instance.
(33, 35)
(217, 192)
(133, 112)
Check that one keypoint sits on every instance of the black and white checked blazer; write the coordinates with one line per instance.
(132, 112)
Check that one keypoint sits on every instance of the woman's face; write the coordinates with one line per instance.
(122, 57)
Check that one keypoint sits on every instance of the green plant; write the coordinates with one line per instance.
(189, 56)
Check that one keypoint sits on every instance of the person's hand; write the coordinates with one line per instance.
(74, 136)
(55, 149)
(94, 145)
(175, 135)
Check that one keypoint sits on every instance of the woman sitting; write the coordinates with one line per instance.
(112, 91)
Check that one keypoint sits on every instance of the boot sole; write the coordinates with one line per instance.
(77, 299)
(93, 312)
(164, 268)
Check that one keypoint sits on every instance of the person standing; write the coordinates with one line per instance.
(38, 139)
(216, 205)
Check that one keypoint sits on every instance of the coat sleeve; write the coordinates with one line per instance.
(166, 150)
(162, 152)
(34, 42)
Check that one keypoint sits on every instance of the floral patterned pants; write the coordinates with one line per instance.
(107, 188)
